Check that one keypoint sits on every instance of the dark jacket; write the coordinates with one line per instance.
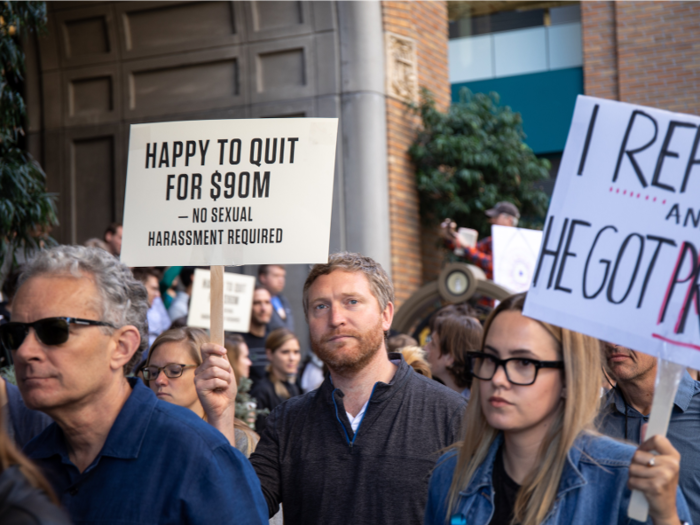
(310, 460)
(264, 393)
(23, 504)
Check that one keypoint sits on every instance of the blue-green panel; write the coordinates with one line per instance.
(545, 100)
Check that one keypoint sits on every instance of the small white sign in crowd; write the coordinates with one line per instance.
(238, 301)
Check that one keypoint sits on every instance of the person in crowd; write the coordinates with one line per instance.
(22, 424)
(260, 316)
(157, 315)
(168, 285)
(415, 358)
(626, 407)
(273, 278)
(113, 238)
(237, 352)
(26, 498)
(529, 453)
(502, 214)
(238, 355)
(170, 372)
(312, 372)
(97, 243)
(360, 448)
(181, 303)
(451, 339)
(279, 384)
(79, 323)
(399, 341)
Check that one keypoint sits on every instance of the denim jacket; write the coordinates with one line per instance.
(592, 489)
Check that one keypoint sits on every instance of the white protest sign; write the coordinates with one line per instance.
(619, 257)
(514, 256)
(229, 192)
(238, 301)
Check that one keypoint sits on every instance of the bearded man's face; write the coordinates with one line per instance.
(346, 322)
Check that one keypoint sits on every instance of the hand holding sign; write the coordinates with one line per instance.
(654, 472)
(216, 387)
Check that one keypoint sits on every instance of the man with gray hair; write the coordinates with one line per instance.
(116, 454)
(358, 450)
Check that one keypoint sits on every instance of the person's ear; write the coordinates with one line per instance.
(563, 392)
(387, 316)
(125, 343)
(268, 353)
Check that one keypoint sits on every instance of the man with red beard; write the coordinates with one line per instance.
(626, 407)
(360, 449)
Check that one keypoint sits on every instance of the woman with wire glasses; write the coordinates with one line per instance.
(170, 371)
(530, 454)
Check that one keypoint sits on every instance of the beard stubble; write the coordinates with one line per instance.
(343, 360)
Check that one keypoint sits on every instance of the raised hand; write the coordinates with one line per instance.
(448, 230)
(216, 388)
(656, 475)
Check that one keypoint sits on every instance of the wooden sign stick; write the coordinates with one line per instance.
(668, 377)
(217, 305)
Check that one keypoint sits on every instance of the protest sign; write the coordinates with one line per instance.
(619, 256)
(229, 192)
(514, 256)
(237, 298)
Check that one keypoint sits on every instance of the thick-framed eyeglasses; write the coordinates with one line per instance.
(171, 371)
(519, 370)
(51, 331)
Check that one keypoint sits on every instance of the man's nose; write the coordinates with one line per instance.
(337, 315)
(29, 349)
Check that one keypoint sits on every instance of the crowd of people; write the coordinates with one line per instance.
(124, 414)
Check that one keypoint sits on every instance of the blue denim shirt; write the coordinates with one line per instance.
(683, 432)
(592, 490)
(161, 463)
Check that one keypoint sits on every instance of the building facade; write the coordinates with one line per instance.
(106, 65)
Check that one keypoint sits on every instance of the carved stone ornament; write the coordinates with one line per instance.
(401, 67)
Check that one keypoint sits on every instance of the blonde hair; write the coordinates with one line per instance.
(415, 358)
(273, 343)
(576, 413)
(193, 339)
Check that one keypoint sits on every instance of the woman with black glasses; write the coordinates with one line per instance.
(530, 454)
(170, 370)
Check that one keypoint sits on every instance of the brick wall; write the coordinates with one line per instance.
(643, 52)
(414, 258)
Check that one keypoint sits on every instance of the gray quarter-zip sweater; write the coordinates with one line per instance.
(310, 460)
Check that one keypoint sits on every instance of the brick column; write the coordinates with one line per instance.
(412, 248)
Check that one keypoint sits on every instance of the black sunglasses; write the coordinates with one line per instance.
(50, 331)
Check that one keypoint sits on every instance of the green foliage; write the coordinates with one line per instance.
(472, 157)
(26, 210)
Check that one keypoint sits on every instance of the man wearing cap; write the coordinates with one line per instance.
(502, 214)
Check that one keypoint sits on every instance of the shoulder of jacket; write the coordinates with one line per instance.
(446, 396)
(605, 451)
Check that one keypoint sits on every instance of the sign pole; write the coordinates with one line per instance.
(217, 305)
(668, 377)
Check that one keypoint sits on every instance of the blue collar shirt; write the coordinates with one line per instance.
(161, 463)
(620, 420)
